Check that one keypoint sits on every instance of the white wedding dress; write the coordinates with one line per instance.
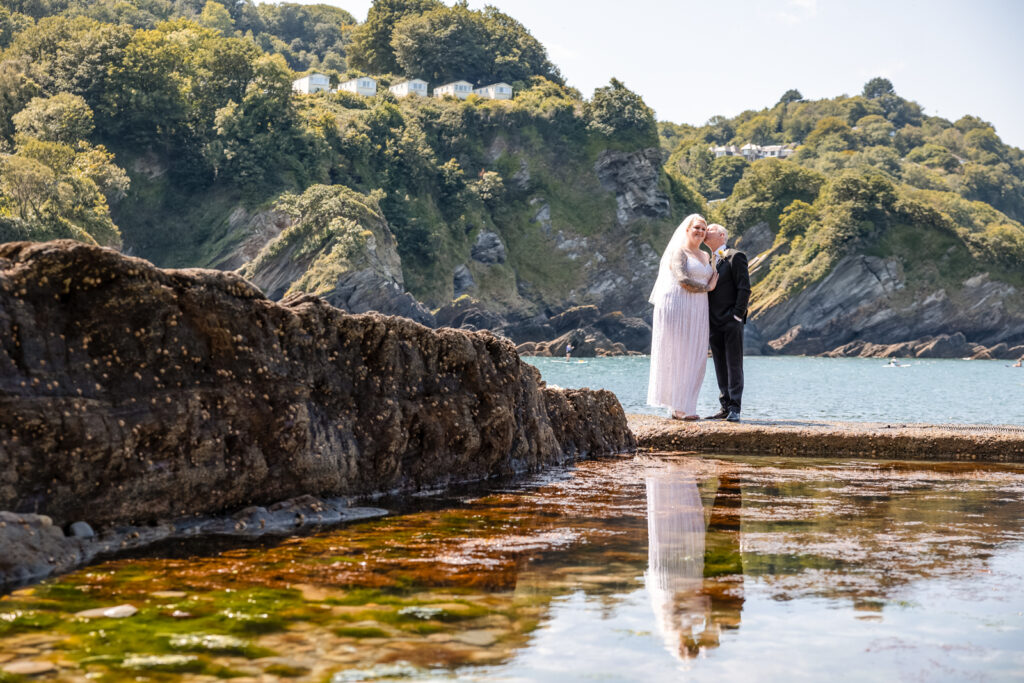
(679, 343)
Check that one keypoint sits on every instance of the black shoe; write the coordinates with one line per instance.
(733, 416)
(720, 415)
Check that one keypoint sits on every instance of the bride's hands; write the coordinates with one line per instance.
(713, 281)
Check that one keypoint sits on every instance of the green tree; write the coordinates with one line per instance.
(489, 188)
(56, 190)
(11, 23)
(934, 156)
(615, 109)
(791, 95)
(995, 185)
(447, 43)
(514, 53)
(869, 194)
(441, 45)
(795, 219)
(757, 129)
(878, 87)
(217, 17)
(721, 130)
(259, 133)
(62, 118)
(304, 34)
(723, 175)
(16, 89)
(76, 55)
(874, 130)
(25, 184)
(371, 48)
(831, 134)
(766, 188)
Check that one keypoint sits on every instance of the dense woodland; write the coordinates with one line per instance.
(117, 116)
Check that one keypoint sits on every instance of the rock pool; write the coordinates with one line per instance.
(633, 568)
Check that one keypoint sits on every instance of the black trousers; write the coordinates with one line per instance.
(727, 351)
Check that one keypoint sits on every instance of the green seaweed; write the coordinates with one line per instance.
(360, 632)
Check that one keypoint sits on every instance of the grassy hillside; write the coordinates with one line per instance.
(195, 107)
(871, 174)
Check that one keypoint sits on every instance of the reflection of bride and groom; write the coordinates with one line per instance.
(695, 573)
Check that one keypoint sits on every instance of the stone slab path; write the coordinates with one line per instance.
(996, 443)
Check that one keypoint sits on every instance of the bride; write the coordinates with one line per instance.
(679, 344)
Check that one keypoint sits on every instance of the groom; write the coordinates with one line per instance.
(727, 314)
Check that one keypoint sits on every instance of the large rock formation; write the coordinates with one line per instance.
(338, 246)
(861, 307)
(132, 394)
(591, 334)
(634, 176)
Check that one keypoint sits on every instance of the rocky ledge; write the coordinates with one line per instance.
(131, 394)
(832, 439)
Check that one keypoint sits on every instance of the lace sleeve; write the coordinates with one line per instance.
(681, 272)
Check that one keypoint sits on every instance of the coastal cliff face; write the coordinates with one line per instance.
(132, 394)
(867, 306)
(531, 260)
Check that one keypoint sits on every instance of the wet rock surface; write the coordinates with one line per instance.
(831, 439)
(588, 422)
(132, 394)
(33, 548)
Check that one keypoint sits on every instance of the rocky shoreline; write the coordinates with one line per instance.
(131, 395)
(34, 548)
(596, 334)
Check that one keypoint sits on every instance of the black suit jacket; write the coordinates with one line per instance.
(732, 293)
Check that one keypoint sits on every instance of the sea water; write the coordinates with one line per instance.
(802, 388)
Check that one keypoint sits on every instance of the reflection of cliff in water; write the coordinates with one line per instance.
(695, 572)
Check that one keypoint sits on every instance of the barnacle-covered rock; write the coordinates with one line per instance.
(130, 393)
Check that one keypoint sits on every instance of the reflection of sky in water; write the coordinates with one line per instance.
(856, 389)
(962, 638)
(964, 627)
(621, 569)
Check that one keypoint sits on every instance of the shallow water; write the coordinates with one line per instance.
(647, 568)
(801, 388)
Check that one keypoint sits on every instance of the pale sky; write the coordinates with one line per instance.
(692, 60)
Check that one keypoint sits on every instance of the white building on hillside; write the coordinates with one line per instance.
(725, 151)
(752, 152)
(413, 86)
(495, 91)
(364, 85)
(460, 89)
(311, 83)
(776, 151)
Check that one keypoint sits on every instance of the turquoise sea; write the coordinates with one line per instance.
(802, 388)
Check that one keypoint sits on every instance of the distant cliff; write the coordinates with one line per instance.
(887, 231)
(885, 225)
